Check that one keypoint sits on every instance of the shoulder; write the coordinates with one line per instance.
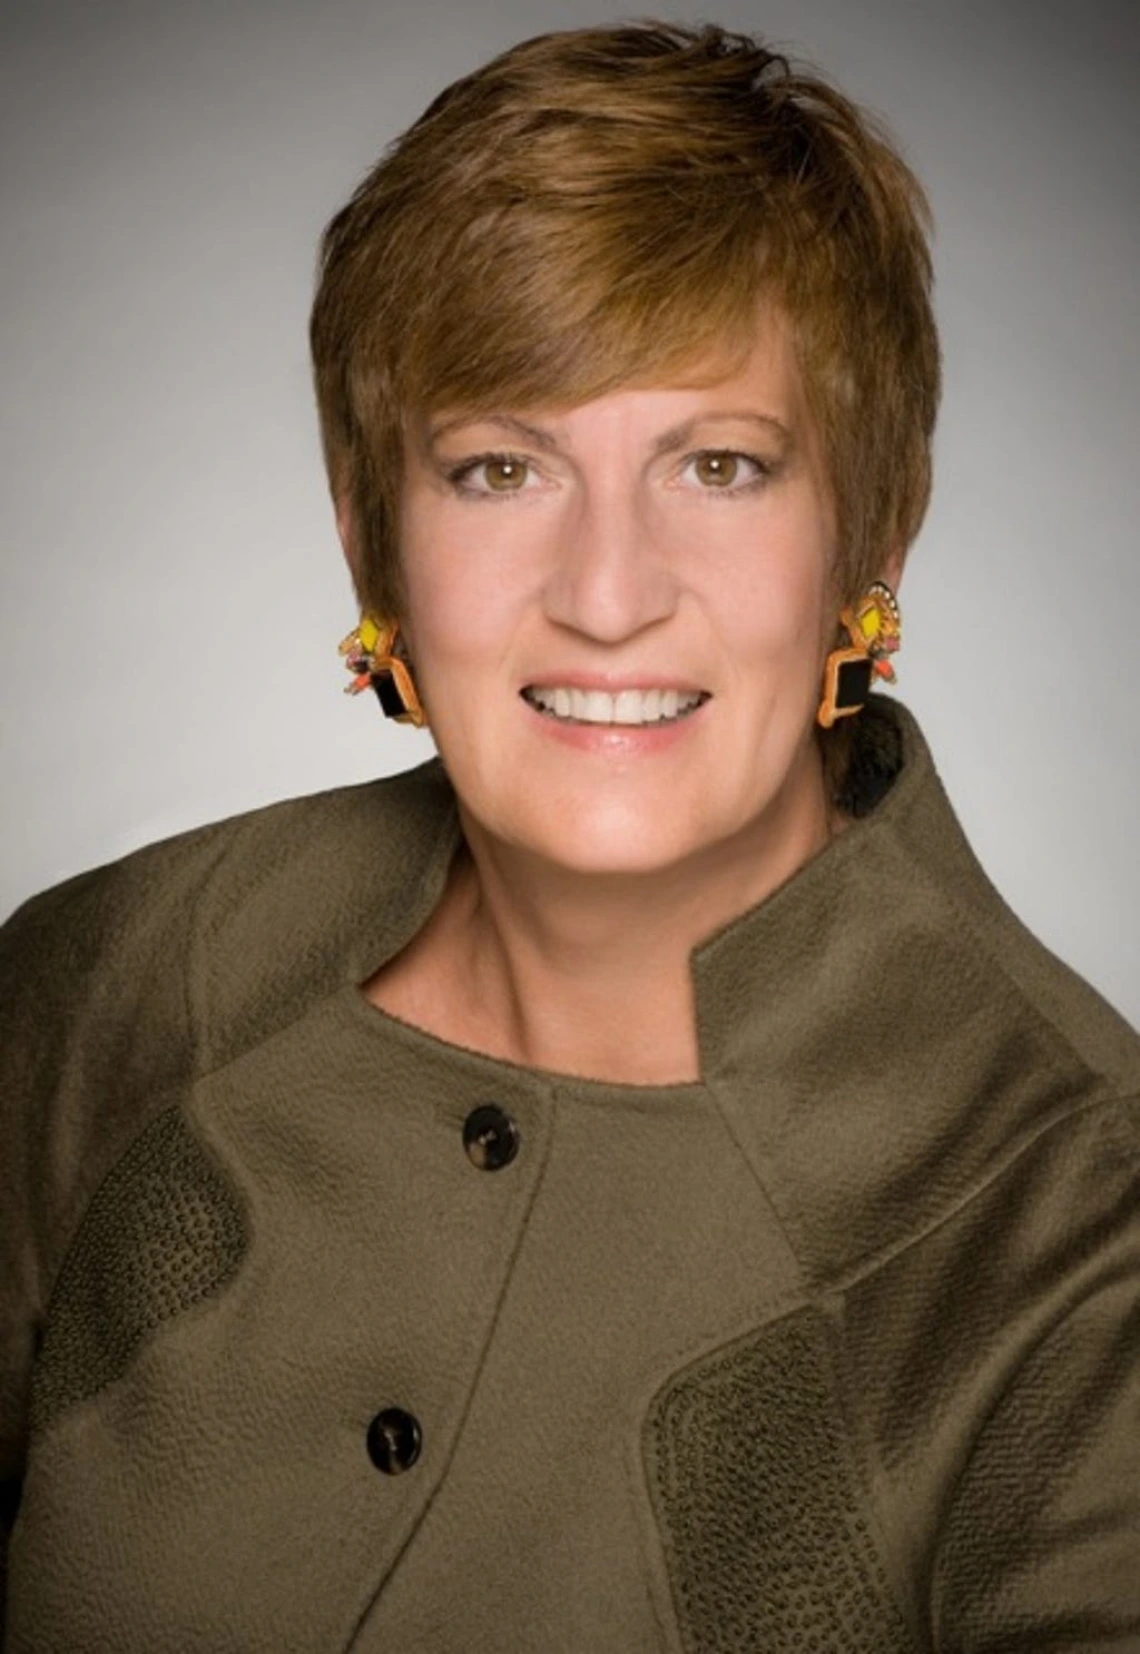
(1057, 1008)
(949, 1051)
(132, 933)
(965, 941)
(119, 985)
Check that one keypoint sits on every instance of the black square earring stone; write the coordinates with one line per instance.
(388, 695)
(853, 683)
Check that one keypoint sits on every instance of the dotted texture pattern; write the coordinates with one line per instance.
(766, 1537)
(163, 1231)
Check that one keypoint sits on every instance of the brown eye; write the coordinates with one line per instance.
(725, 471)
(493, 474)
(716, 470)
(504, 475)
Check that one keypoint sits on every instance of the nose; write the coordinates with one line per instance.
(610, 575)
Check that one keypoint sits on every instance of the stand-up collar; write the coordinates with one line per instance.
(879, 1031)
(880, 1026)
(836, 926)
(829, 937)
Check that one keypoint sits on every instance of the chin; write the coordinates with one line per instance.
(600, 855)
(618, 837)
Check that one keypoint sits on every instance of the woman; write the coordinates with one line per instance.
(627, 1183)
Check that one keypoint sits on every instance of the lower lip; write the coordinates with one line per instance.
(618, 739)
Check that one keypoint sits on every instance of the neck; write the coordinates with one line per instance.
(589, 973)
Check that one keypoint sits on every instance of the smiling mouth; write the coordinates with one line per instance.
(655, 715)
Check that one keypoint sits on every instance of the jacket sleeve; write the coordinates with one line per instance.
(95, 1029)
(41, 970)
(1041, 1547)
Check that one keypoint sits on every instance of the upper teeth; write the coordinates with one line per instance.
(630, 706)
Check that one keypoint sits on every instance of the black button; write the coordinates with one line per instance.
(394, 1439)
(490, 1137)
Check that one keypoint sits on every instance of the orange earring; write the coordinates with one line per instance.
(370, 658)
(874, 627)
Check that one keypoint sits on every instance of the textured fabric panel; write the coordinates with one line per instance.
(767, 1539)
(163, 1231)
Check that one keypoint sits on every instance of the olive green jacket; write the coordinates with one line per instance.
(837, 1349)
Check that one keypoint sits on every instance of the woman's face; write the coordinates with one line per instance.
(671, 535)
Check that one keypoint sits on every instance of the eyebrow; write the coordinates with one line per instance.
(677, 436)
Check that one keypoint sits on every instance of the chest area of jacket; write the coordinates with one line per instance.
(357, 1319)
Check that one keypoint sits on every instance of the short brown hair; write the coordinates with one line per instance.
(603, 205)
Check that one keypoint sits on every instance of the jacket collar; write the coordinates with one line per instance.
(876, 1031)
(826, 937)
(881, 1024)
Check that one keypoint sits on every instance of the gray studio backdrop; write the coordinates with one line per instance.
(172, 590)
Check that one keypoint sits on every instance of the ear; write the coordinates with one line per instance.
(893, 568)
(346, 529)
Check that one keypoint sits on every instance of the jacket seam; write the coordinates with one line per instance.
(863, 1440)
(84, 1192)
(844, 1281)
(55, 1255)
(760, 1181)
(197, 1020)
(948, 1509)
(866, 1457)
(468, 1400)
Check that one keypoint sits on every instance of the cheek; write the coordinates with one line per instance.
(458, 593)
(462, 624)
(782, 619)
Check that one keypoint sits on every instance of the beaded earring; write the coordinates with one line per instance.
(369, 656)
(874, 626)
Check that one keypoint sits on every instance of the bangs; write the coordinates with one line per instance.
(552, 310)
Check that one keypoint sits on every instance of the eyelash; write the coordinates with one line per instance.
(458, 474)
